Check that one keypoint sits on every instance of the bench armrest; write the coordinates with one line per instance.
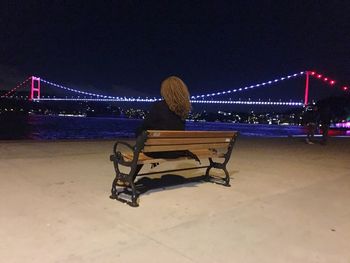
(117, 155)
(122, 143)
(136, 149)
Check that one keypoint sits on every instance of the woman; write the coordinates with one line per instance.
(168, 114)
(310, 119)
(171, 112)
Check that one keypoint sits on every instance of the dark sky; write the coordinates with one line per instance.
(130, 46)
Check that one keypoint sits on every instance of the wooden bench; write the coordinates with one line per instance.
(201, 144)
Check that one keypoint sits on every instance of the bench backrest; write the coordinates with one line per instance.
(160, 140)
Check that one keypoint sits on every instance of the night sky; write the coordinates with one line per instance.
(128, 47)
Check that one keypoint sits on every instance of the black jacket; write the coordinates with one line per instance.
(325, 115)
(310, 116)
(160, 117)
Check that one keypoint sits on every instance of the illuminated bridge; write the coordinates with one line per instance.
(35, 85)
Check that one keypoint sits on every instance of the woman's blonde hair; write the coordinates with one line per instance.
(176, 95)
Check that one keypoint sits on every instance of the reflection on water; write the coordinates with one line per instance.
(38, 127)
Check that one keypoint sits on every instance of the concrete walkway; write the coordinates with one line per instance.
(289, 202)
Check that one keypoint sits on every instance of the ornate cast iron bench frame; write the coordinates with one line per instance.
(203, 144)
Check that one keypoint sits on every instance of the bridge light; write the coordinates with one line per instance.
(325, 79)
(332, 82)
(313, 73)
(345, 88)
(319, 76)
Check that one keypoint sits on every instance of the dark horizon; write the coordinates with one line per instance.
(130, 46)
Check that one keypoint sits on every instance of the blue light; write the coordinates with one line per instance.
(131, 99)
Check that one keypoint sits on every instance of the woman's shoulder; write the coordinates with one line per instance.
(161, 104)
(161, 108)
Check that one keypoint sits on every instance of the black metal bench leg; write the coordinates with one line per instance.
(114, 189)
(114, 193)
(221, 166)
(227, 178)
(128, 179)
(207, 176)
(134, 196)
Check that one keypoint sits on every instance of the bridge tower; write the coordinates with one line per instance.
(306, 98)
(35, 88)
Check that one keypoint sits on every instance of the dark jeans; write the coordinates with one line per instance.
(325, 129)
(311, 127)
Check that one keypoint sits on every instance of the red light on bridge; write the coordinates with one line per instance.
(319, 76)
(345, 88)
(325, 79)
(332, 82)
(313, 72)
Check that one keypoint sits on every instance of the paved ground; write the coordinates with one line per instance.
(289, 202)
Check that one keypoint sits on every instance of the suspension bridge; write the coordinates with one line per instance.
(35, 92)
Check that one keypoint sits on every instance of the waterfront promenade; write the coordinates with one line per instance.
(289, 202)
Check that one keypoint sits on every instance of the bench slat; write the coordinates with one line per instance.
(178, 141)
(190, 134)
(190, 147)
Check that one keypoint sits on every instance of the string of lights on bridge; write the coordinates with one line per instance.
(202, 98)
(20, 85)
(270, 82)
(326, 79)
(194, 99)
(139, 99)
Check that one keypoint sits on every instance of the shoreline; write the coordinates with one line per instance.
(318, 137)
(71, 128)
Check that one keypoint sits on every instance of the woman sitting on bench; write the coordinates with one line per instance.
(168, 114)
(171, 112)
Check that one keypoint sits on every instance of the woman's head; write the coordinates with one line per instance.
(176, 95)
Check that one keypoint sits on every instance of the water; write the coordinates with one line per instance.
(40, 127)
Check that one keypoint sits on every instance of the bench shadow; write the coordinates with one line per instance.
(145, 184)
